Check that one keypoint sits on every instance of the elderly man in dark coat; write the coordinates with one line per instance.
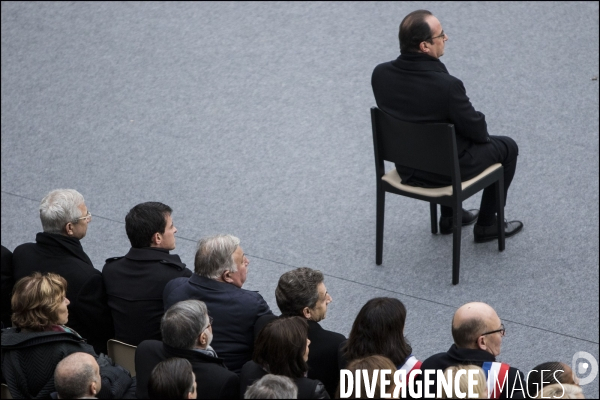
(187, 333)
(220, 272)
(135, 283)
(416, 87)
(58, 249)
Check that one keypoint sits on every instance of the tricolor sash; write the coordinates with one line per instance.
(497, 378)
(411, 364)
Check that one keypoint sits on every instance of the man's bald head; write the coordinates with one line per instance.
(76, 376)
(471, 321)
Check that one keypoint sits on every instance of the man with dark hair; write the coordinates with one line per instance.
(65, 220)
(77, 376)
(221, 268)
(135, 283)
(187, 332)
(417, 88)
(478, 331)
(302, 292)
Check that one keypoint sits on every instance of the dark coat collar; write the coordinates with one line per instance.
(152, 254)
(461, 354)
(192, 355)
(419, 62)
(211, 284)
(71, 245)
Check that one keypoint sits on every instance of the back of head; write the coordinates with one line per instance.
(183, 322)
(297, 289)
(479, 390)
(272, 387)
(77, 376)
(560, 391)
(58, 208)
(414, 30)
(144, 220)
(370, 364)
(469, 322)
(379, 329)
(214, 255)
(548, 373)
(36, 300)
(172, 378)
(281, 345)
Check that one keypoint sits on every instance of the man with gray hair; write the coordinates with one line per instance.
(77, 376)
(65, 218)
(272, 387)
(221, 268)
(187, 333)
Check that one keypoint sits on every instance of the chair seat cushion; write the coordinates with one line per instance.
(393, 179)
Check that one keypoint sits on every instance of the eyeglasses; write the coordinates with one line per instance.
(442, 35)
(87, 217)
(501, 330)
(210, 321)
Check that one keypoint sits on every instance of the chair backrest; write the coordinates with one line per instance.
(428, 147)
(123, 354)
(5, 392)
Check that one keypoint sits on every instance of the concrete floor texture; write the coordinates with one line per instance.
(253, 119)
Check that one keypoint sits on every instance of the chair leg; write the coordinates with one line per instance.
(379, 228)
(500, 212)
(433, 212)
(456, 239)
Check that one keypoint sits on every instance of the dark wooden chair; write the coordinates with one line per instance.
(431, 148)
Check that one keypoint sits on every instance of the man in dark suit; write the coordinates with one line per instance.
(58, 249)
(187, 333)
(302, 292)
(8, 282)
(135, 283)
(416, 87)
(221, 268)
(478, 331)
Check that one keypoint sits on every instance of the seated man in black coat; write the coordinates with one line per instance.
(135, 283)
(187, 333)
(478, 331)
(8, 282)
(58, 249)
(416, 87)
(220, 271)
(302, 292)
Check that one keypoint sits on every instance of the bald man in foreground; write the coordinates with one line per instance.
(77, 377)
(478, 331)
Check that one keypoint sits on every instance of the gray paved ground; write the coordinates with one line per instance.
(253, 119)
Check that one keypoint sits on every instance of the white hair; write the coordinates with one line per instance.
(60, 207)
(214, 255)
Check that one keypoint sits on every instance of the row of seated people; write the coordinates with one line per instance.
(128, 300)
(44, 358)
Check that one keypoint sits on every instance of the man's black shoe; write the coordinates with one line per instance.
(486, 233)
(468, 217)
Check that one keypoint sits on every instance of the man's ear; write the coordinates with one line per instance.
(423, 47)
(69, 229)
(93, 389)
(306, 312)
(226, 277)
(202, 339)
(481, 343)
(156, 239)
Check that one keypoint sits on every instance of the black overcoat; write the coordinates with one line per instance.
(134, 286)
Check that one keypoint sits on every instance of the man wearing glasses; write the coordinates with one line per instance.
(477, 332)
(187, 332)
(416, 87)
(65, 219)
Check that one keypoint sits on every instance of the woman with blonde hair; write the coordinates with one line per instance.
(40, 340)
(480, 390)
(560, 391)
